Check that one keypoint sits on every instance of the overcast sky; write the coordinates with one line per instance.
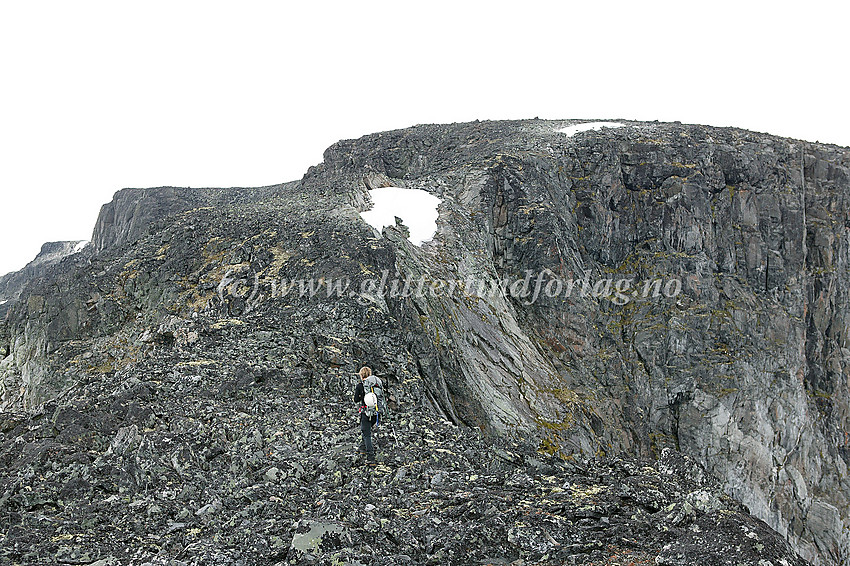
(97, 96)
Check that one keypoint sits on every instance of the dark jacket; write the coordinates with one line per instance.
(359, 394)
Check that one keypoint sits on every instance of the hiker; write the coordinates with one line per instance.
(366, 396)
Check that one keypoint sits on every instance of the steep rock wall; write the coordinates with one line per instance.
(745, 368)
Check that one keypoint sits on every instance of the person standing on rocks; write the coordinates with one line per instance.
(367, 420)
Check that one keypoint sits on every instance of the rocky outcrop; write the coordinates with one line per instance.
(743, 368)
(73, 299)
(727, 343)
(133, 211)
(12, 284)
(214, 461)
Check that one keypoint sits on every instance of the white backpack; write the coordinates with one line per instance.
(374, 396)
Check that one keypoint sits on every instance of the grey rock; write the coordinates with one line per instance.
(310, 535)
(742, 370)
(208, 509)
(12, 284)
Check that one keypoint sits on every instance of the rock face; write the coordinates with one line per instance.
(13, 283)
(133, 212)
(657, 289)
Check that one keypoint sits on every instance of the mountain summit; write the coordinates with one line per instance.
(625, 343)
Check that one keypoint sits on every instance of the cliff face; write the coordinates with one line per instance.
(13, 283)
(728, 343)
(133, 212)
(745, 369)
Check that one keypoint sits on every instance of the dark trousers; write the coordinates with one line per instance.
(366, 431)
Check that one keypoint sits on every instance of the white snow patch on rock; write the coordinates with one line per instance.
(416, 208)
(79, 247)
(576, 128)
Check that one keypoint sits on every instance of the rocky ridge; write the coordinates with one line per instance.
(742, 370)
(203, 464)
(12, 284)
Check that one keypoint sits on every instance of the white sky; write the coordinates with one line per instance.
(98, 95)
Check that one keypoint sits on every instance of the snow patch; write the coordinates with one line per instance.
(79, 247)
(416, 208)
(4, 301)
(576, 128)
